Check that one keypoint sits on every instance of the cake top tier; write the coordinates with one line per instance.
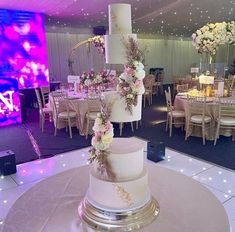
(120, 19)
(126, 145)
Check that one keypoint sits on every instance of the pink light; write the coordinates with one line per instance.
(34, 67)
(21, 80)
(24, 30)
(11, 33)
(27, 46)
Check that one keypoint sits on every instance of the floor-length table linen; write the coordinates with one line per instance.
(52, 204)
(212, 110)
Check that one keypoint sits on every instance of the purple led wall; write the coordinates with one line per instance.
(9, 102)
(23, 53)
(23, 58)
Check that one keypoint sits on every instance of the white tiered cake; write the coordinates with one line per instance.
(130, 188)
(118, 197)
(120, 30)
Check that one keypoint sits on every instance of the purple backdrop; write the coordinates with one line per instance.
(9, 102)
(23, 58)
(23, 53)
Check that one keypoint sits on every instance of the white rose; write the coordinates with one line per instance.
(126, 77)
(107, 139)
(88, 82)
(138, 65)
(130, 96)
(140, 74)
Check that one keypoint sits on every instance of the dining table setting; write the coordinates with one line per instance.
(77, 102)
(212, 101)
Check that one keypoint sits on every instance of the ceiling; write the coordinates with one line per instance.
(167, 17)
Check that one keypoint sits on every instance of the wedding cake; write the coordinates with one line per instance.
(129, 190)
(120, 30)
(118, 197)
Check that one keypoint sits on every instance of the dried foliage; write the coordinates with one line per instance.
(133, 53)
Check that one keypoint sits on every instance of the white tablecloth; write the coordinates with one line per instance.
(212, 110)
(51, 205)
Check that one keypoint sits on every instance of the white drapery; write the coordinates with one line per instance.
(175, 56)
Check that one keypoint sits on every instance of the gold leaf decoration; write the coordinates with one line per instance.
(123, 194)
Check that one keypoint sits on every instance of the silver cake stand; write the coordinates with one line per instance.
(103, 220)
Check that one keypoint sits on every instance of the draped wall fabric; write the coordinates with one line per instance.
(175, 56)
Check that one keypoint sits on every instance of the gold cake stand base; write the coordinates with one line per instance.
(101, 220)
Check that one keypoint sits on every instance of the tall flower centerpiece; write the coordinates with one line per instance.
(101, 140)
(208, 38)
(131, 80)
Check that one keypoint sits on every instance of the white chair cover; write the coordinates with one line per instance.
(118, 105)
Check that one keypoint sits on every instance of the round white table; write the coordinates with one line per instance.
(51, 205)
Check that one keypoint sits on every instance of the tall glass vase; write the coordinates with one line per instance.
(211, 63)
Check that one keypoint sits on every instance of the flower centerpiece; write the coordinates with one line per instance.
(131, 80)
(90, 78)
(87, 78)
(101, 140)
(208, 38)
(104, 77)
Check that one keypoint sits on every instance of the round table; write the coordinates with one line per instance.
(212, 110)
(51, 205)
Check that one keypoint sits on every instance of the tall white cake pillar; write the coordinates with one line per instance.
(120, 30)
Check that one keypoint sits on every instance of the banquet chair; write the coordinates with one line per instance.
(181, 88)
(44, 112)
(174, 117)
(67, 116)
(148, 81)
(176, 81)
(226, 116)
(158, 85)
(94, 107)
(45, 90)
(196, 116)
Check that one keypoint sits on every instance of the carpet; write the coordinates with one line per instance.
(17, 138)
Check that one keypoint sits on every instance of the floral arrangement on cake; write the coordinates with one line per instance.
(101, 140)
(208, 38)
(131, 80)
(98, 42)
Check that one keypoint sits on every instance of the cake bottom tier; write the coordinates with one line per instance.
(116, 196)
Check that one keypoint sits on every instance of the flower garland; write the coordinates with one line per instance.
(98, 42)
(208, 38)
(101, 140)
(131, 80)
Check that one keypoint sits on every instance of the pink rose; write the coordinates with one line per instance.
(130, 71)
